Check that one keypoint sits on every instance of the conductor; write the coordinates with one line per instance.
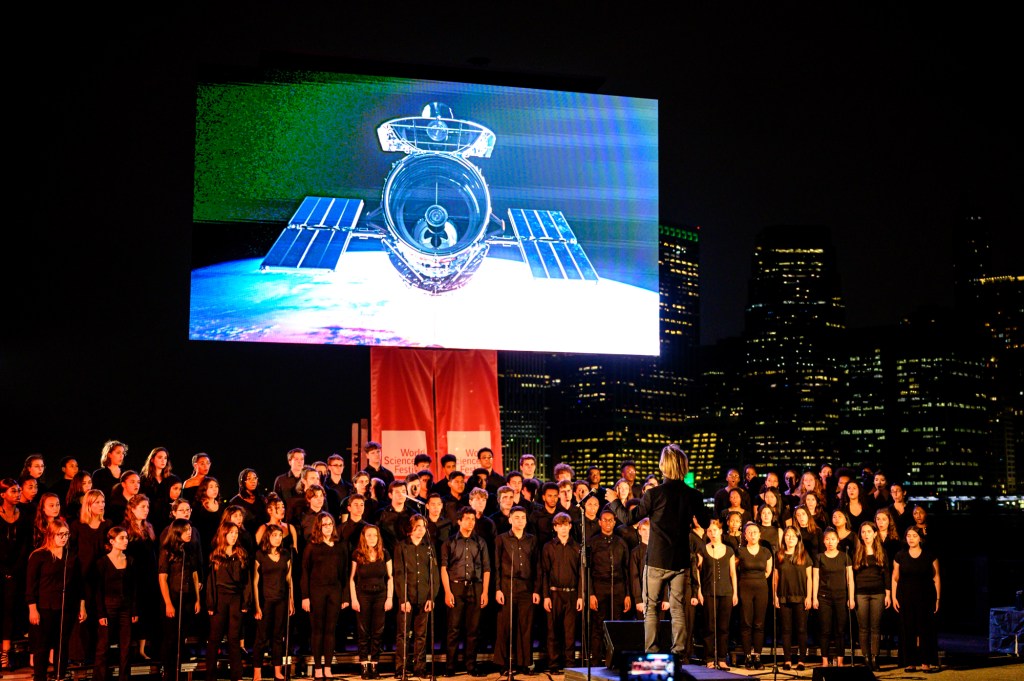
(673, 507)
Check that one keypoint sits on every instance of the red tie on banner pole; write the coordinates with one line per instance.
(434, 401)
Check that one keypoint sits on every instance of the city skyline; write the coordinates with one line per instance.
(878, 124)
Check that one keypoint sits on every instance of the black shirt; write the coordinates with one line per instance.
(114, 585)
(671, 506)
(326, 567)
(416, 574)
(832, 575)
(715, 576)
(560, 567)
(466, 558)
(284, 486)
(541, 524)
(609, 563)
(44, 585)
(172, 567)
(273, 575)
(372, 577)
(514, 561)
(230, 578)
(382, 473)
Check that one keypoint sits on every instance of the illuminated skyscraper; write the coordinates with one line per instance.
(868, 398)
(524, 386)
(795, 314)
(714, 439)
(991, 304)
(615, 408)
(943, 406)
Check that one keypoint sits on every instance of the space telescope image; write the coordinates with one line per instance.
(494, 218)
(434, 218)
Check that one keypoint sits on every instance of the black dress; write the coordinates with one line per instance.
(753, 585)
(915, 592)
(207, 523)
(142, 552)
(716, 587)
(272, 598)
(832, 601)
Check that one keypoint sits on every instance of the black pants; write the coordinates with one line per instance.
(370, 623)
(182, 623)
(793, 620)
(46, 636)
(119, 624)
(270, 632)
(561, 628)
(754, 603)
(411, 625)
(691, 621)
(515, 623)
(324, 610)
(918, 631)
(83, 637)
(609, 607)
(717, 613)
(832, 614)
(464, 622)
(12, 599)
(226, 619)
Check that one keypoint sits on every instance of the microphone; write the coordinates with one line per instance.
(592, 493)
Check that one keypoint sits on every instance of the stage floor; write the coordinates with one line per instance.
(691, 672)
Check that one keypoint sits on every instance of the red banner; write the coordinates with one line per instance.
(434, 401)
(466, 388)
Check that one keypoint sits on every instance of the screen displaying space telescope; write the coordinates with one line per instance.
(358, 210)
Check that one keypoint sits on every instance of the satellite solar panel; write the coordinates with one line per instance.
(315, 251)
(298, 248)
(301, 216)
(337, 245)
(317, 235)
(316, 216)
(280, 248)
(547, 253)
(586, 269)
(567, 261)
(549, 245)
(337, 212)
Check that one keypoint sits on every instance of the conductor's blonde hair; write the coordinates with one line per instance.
(674, 463)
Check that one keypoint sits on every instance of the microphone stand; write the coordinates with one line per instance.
(714, 601)
(511, 672)
(181, 614)
(286, 661)
(774, 671)
(405, 615)
(849, 612)
(585, 576)
(611, 603)
(63, 595)
(430, 615)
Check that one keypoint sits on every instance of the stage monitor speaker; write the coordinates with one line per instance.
(842, 674)
(627, 636)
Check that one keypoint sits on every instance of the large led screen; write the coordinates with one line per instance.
(342, 209)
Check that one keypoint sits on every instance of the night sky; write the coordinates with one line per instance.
(884, 124)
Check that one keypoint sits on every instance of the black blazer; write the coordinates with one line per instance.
(671, 506)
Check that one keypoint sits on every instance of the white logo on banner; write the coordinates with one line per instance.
(464, 444)
(400, 447)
